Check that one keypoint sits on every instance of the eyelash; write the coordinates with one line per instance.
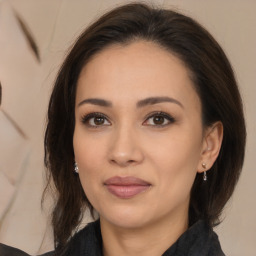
(85, 119)
(166, 116)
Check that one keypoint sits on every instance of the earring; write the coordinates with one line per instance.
(205, 175)
(76, 169)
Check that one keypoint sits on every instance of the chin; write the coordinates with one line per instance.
(125, 217)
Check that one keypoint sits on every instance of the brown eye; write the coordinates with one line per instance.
(98, 120)
(95, 120)
(159, 119)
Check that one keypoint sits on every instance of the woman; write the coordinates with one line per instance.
(145, 126)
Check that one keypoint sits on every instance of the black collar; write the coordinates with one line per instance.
(199, 239)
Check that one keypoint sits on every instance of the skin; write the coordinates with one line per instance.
(129, 142)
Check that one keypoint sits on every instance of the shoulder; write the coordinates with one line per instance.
(6, 250)
(199, 239)
(203, 239)
(87, 240)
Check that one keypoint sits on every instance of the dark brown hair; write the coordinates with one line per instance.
(214, 82)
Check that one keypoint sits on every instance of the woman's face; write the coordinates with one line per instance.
(138, 136)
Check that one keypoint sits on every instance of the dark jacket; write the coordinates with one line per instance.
(198, 240)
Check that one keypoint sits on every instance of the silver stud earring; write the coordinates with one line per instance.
(76, 169)
(205, 175)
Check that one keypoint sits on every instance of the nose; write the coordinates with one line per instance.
(125, 149)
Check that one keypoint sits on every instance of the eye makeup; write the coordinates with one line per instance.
(95, 120)
(156, 119)
(159, 119)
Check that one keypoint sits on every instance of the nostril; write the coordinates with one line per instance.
(122, 161)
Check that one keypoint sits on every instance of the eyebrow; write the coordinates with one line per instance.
(155, 100)
(140, 104)
(94, 101)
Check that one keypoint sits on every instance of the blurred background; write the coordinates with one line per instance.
(35, 36)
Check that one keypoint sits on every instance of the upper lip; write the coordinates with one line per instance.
(126, 181)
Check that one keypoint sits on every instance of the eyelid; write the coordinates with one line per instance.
(87, 117)
(170, 118)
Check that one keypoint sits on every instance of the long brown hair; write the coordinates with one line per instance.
(214, 82)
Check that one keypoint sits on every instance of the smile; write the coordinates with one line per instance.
(126, 187)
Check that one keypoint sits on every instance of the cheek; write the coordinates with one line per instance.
(176, 160)
(177, 149)
(88, 148)
(88, 154)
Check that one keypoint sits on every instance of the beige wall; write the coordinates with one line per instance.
(27, 82)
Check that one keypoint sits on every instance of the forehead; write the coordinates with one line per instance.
(137, 70)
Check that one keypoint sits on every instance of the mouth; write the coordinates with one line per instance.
(126, 187)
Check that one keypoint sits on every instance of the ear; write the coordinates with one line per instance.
(212, 141)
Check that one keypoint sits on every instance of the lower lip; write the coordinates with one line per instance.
(127, 191)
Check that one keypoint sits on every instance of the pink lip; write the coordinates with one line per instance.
(126, 187)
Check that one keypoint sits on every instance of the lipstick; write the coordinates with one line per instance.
(126, 187)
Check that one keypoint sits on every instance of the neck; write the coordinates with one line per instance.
(154, 239)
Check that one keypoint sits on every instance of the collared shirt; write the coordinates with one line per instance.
(198, 240)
